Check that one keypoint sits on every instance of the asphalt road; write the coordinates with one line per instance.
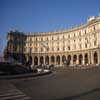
(62, 85)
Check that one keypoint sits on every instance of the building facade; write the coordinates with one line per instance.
(78, 45)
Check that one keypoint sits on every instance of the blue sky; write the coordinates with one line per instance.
(44, 15)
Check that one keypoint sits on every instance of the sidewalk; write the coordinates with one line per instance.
(25, 75)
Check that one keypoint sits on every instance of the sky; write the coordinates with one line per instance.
(44, 15)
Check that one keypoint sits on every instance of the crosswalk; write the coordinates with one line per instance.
(10, 92)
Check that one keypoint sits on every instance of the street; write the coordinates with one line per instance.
(62, 85)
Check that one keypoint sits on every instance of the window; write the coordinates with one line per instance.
(41, 39)
(63, 37)
(68, 41)
(30, 44)
(63, 48)
(41, 49)
(52, 49)
(68, 47)
(47, 49)
(30, 39)
(80, 46)
(58, 49)
(94, 27)
(95, 43)
(80, 33)
(30, 50)
(58, 38)
(35, 49)
(36, 39)
(68, 36)
(52, 38)
(74, 34)
(63, 42)
(74, 46)
(85, 31)
(85, 45)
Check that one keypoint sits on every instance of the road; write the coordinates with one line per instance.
(62, 85)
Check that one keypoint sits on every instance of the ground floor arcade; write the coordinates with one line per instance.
(72, 58)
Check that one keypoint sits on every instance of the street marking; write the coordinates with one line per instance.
(10, 92)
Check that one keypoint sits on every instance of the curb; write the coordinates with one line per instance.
(25, 75)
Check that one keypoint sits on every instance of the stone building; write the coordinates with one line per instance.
(78, 45)
(15, 45)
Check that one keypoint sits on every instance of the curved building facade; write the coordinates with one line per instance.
(78, 45)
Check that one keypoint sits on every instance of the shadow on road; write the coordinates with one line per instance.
(80, 95)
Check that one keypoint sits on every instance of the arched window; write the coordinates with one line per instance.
(47, 60)
(86, 58)
(41, 60)
(52, 59)
(80, 59)
(74, 59)
(95, 58)
(58, 60)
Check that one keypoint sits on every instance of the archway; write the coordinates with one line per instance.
(58, 60)
(52, 59)
(47, 60)
(86, 58)
(35, 60)
(41, 60)
(64, 59)
(80, 59)
(95, 58)
(68, 59)
(74, 59)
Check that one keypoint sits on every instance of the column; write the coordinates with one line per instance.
(49, 60)
(92, 57)
(61, 61)
(71, 60)
(38, 60)
(77, 62)
(32, 60)
(98, 56)
(55, 60)
(83, 61)
(44, 60)
(89, 57)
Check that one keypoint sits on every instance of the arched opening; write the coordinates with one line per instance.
(68, 59)
(74, 59)
(52, 59)
(35, 60)
(80, 59)
(64, 59)
(95, 58)
(86, 58)
(47, 60)
(58, 60)
(41, 60)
